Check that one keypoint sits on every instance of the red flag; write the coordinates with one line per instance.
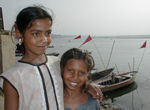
(78, 37)
(144, 45)
(87, 40)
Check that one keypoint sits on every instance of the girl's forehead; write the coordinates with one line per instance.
(42, 19)
(45, 21)
(76, 61)
(41, 23)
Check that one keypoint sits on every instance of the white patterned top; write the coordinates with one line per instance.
(40, 87)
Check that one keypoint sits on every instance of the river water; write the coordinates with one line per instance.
(124, 54)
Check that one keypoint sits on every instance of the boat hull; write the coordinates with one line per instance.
(119, 81)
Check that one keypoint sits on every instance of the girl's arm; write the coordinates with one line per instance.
(96, 92)
(11, 98)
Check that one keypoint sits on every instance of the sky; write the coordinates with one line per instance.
(84, 17)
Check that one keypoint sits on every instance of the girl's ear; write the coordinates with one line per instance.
(18, 34)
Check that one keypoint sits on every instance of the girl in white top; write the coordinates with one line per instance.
(34, 82)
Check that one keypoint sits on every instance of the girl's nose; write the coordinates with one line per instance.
(44, 38)
(75, 76)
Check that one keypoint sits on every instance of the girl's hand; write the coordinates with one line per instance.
(96, 92)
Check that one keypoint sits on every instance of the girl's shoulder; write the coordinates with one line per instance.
(53, 58)
(90, 98)
(54, 64)
(92, 101)
(16, 71)
(17, 67)
(11, 74)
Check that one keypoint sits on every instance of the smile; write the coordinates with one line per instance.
(74, 84)
(43, 46)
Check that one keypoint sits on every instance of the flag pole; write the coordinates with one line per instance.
(133, 63)
(143, 46)
(117, 68)
(141, 59)
(87, 40)
(110, 54)
(99, 55)
(129, 66)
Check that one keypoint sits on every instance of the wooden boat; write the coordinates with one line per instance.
(101, 74)
(117, 81)
(120, 92)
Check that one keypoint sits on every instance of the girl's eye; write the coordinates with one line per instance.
(36, 34)
(48, 33)
(81, 73)
(70, 70)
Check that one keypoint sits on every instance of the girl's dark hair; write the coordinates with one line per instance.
(25, 19)
(76, 53)
(28, 15)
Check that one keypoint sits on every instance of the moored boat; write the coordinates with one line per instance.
(101, 74)
(117, 81)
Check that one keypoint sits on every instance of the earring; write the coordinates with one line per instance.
(20, 41)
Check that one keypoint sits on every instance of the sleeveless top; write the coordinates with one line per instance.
(39, 87)
(91, 104)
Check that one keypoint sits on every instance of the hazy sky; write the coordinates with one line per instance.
(94, 17)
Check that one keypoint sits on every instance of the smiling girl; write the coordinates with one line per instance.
(75, 67)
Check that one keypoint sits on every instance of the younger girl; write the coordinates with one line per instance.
(75, 67)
